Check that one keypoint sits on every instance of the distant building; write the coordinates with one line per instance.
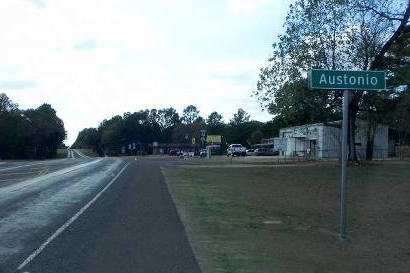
(323, 140)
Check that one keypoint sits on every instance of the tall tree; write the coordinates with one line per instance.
(13, 128)
(401, 116)
(183, 133)
(214, 119)
(168, 117)
(215, 124)
(34, 133)
(245, 133)
(87, 138)
(47, 129)
(111, 135)
(332, 34)
(6, 105)
(241, 116)
(190, 114)
(168, 120)
(295, 104)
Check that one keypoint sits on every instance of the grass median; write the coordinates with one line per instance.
(285, 219)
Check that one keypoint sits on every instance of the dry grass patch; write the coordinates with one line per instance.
(286, 219)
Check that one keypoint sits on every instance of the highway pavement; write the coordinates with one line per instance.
(81, 214)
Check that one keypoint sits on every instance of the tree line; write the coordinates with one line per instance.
(341, 35)
(29, 134)
(167, 126)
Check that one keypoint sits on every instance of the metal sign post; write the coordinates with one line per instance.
(346, 80)
(343, 184)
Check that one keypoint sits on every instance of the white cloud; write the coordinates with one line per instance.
(94, 59)
(245, 6)
(38, 3)
(14, 85)
(86, 45)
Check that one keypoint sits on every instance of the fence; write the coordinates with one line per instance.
(329, 154)
(402, 152)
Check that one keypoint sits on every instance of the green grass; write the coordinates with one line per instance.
(61, 153)
(225, 210)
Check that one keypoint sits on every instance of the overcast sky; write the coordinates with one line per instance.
(92, 59)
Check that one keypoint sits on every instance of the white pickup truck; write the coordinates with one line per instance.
(236, 149)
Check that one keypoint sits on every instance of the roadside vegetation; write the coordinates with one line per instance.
(88, 152)
(61, 153)
(262, 219)
(167, 126)
(341, 35)
(29, 134)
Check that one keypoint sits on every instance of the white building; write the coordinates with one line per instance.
(323, 140)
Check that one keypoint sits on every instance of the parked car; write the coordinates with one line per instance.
(236, 150)
(185, 154)
(203, 153)
(173, 152)
(250, 152)
(274, 152)
(266, 152)
(260, 151)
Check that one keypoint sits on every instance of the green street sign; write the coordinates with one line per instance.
(347, 80)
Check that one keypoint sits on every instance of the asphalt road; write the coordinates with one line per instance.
(84, 215)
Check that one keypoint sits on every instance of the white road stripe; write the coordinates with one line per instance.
(69, 222)
(9, 180)
(25, 183)
(21, 166)
(32, 164)
(6, 174)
